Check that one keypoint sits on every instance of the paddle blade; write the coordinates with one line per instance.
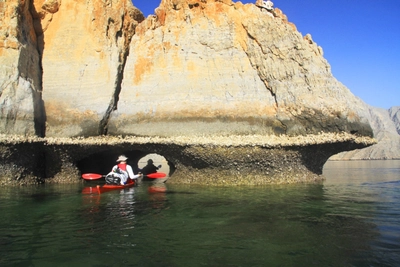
(91, 176)
(156, 175)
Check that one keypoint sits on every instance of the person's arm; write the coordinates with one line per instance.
(130, 172)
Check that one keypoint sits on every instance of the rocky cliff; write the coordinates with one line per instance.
(21, 104)
(75, 68)
(386, 127)
(218, 67)
(394, 113)
(62, 63)
(196, 69)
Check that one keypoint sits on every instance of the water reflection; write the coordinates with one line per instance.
(375, 184)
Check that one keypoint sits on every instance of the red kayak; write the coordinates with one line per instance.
(156, 189)
(110, 187)
(89, 190)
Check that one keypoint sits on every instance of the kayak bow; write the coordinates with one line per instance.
(110, 187)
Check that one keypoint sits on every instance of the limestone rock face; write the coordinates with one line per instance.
(21, 110)
(386, 125)
(84, 68)
(197, 70)
(84, 45)
(61, 64)
(218, 67)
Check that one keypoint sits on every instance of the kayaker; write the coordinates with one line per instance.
(123, 170)
(150, 167)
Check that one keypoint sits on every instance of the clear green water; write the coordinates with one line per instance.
(352, 219)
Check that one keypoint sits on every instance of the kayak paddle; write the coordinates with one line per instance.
(156, 175)
(92, 176)
(95, 176)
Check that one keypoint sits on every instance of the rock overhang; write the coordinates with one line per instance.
(201, 160)
(140, 77)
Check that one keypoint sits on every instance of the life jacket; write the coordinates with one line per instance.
(122, 166)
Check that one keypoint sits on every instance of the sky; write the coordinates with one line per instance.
(360, 40)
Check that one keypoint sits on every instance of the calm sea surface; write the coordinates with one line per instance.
(351, 219)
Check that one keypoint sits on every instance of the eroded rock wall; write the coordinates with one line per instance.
(84, 46)
(75, 68)
(214, 69)
(22, 162)
(219, 67)
(233, 160)
(21, 108)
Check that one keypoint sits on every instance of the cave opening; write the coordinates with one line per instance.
(102, 162)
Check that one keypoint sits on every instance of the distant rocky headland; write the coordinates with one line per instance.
(228, 93)
(386, 127)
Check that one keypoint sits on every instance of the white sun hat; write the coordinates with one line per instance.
(121, 158)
